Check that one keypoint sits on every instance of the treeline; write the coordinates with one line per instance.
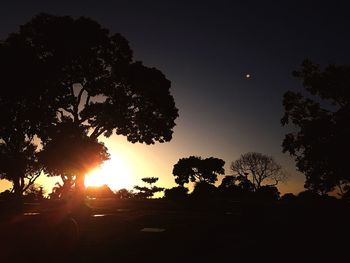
(65, 82)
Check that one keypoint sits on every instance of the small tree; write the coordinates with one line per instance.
(196, 169)
(258, 169)
(176, 193)
(124, 194)
(148, 192)
(204, 190)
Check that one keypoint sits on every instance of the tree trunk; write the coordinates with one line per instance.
(78, 208)
(17, 189)
(80, 189)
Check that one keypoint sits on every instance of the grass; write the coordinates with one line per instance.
(201, 230)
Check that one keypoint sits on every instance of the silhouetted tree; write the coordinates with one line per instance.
(5, 195)
(92, 80)
(149, 191)
(62, 190)
(23, 114)
(196, 169)
(268, 193)
(176, 193)
(309, 195)
(70, 152)
(124, 194)
(204, 190)
(322, 135)
(19, 164)
(35, 192)
(257, 168)
(288, 197)
(235, 186)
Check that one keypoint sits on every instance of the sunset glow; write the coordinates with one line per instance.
(115, 173)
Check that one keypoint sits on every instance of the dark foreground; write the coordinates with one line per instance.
(198, 231)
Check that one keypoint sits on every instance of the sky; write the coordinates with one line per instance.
(206, 48)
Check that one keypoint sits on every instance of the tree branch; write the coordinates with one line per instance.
(79, 96)
(87, 100)
(69, 111)
(95, 132)
(31, 181)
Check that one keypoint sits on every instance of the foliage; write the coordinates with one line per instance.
(23, 114)
(204, 190)
(70, 152)
(149, 191)
(288, 197)
(124, 194)
(91, 81)
(235, 186)
(322, 121)
(19, 164)
(257, 169)
(35, 192)
(196, 169)
(64, 190)
(268, 193)
(176, 193)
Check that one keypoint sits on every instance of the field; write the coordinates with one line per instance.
(166, 231)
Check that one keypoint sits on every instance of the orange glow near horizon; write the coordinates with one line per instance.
(115, 173)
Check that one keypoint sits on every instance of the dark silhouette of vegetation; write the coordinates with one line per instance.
(70, 153)
(322, 136)
(124, 194)
(60, 191)
(23, 113)
(148, 191)
(237, 186)
(91, 81)
(19, 164)
(268, 193)
(196, 169)
(203, 190)
(257, 168)
(288, 197)
(176, 193)
(35, 192)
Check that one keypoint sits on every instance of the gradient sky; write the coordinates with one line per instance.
(206, 48)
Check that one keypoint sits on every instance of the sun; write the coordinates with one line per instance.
(114, 173)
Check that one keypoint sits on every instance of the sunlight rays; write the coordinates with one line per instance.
(114, 172)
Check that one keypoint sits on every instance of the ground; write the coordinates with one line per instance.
(197, 231)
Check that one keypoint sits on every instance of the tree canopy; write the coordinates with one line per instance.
(196, 169)
(258, 169)
(91, 77)
(321, 119)
(58, 70)
(148, 191)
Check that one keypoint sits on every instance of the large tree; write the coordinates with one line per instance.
(259, 169)
(321, 120)
(196, 169)
(88, 76)
(23, 115)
